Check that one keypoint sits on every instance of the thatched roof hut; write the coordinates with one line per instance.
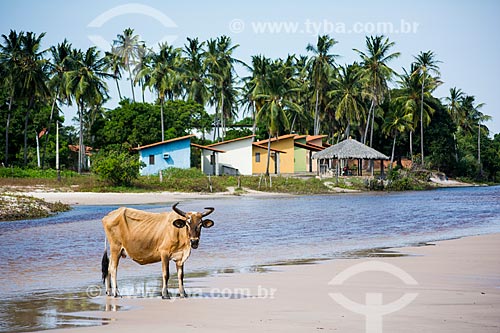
(350, 149)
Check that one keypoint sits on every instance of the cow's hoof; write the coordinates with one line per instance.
(165, 297)
(183, 295)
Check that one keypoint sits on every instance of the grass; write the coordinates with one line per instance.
(194, 181)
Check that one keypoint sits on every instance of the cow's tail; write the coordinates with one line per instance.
(105, 263)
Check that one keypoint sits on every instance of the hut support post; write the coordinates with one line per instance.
(382, 169)
(337, 172)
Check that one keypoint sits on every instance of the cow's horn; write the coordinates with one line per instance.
(177, 210)
(208, 210)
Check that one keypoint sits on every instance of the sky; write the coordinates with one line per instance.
(464, 35)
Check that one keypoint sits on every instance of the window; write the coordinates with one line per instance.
(151, 159)
(257, 157)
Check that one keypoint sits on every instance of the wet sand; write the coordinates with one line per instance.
(456, 284)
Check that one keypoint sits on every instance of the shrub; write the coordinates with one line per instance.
(119, 168)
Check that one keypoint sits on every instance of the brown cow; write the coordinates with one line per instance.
(149, 238)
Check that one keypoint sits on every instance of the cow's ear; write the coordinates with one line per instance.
(207, 223)
(179, 223)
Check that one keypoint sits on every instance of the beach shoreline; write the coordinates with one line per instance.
(457, 287)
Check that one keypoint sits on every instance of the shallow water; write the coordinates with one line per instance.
(58, 258)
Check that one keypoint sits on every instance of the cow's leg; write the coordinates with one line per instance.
(108, 284)
(165, 276)
(114, 259)
(180, 277)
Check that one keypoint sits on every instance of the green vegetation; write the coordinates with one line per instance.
(120, 168)
(311, 93)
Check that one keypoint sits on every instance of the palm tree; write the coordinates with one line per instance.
(347, 96)
(276, 99)
(473, 118)
(161, 74)
(408, 99)
(58, 66)
(85, 83)
(115, 64)
(254, 85)
(219, 63)
(322, 63)
(425, 62)
(195, 71)
(10, 61)
(456, 112)
(33, 77)
(376, 74)
(397, 121)
(126, 47)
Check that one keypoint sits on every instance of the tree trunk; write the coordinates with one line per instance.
(162, 122)
(348, 130)
(479, 149)
(316, 114)
(368, 121)
(7, 125)
(254, 126)
(80, 138)
(26, 123)
(57, 151)
(411, 146)
(373, 125)
(223, 123)
(393, 148)
(131, 83)
(118, 88)
(48, 128)
(456, 146)
(422, 120)
(268, 155)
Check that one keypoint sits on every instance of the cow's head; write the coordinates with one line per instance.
(193, 221)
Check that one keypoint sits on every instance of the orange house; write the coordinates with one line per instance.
(282, 155)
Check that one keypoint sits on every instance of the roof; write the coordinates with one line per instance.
(207, 148)
(233, 140)
(256, 144)
(308, 146)
(286, 136)
(166, 141)
(76, 149)
(350, 148)
(314, 137)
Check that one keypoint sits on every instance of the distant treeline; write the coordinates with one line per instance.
(395, 113)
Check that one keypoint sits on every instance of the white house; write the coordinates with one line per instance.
(236, 159)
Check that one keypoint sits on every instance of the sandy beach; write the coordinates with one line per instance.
(93, 198)
(450, 286)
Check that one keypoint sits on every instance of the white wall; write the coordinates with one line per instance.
(238, 155)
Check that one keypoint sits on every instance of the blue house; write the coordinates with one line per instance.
(166, 154)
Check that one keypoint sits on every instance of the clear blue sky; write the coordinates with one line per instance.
(465, 35)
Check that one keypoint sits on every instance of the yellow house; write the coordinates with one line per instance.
(282, 155)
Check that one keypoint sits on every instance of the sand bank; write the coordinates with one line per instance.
(452, 286)
(92, 198)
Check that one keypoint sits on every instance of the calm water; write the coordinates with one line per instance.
(49, 263)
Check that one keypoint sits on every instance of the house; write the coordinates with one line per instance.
(282, 155)
(166, 154)
(315, 144)
(173, 153)
(232, 157)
